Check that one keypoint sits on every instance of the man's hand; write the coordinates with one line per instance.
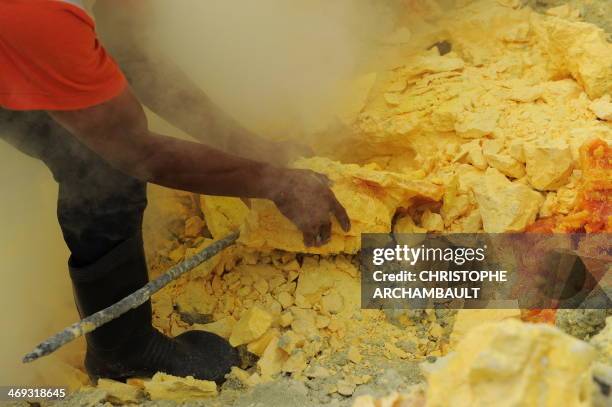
(306, 199)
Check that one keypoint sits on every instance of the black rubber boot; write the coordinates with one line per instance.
(129, 346)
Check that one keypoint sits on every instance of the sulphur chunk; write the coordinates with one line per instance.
(505, 206)
(602, 108)
(493, 153)
(580, 50)
(526, 94)
(473, 152)
(296, 363)
(272, 360)
(258, 346)
(120, 393)
(290, 340)
(455, 203)
(468, 319)
(332, 302)
(512, 363)
(166, 387)
(432, 221)
(434, 63)
(252, 325)
(223, 215)
(477, 124)
(549, 164)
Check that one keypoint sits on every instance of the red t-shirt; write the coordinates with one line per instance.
(51, 59)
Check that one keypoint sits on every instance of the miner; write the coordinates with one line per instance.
(65, 101)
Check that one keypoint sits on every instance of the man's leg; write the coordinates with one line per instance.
(100, 212)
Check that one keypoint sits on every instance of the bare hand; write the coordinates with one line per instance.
(306, 199)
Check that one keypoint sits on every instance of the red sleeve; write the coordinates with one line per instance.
(51, 59)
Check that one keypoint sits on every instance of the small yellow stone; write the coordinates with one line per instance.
(261, 286)
(166, 387)
(241, 375)
(296, 362)
(285, 319)
(436, 330)
(120, 393)
(322, 321)
(259, 346)
(332, 302)
(290, 340)
(252, 325)
(272, 360)
(354, 355)
(285, 299)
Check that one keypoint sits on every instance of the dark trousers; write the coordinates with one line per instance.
(98, 207)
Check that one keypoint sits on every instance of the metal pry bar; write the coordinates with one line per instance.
(132, 301)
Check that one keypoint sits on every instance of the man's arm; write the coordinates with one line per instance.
(162, 86)
(118, 131)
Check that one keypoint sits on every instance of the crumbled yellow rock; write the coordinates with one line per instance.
(354, 355)
(492, 151)
(290, 340)
(166, 387)
(296, 363)
(602, 108)
(120, 393)
(511, 363)
(477, 124)
(285, 299)
(241, 375)
(406, 225)
(455, 203)
(223, 215)
(526, 94)
(195, 298)
(258, 346)
(345, 387)
(251, 326)
(474, 154)
(468, 319)
(322, 279)
(285, 319)
(549, 164)
(393, 352)
(272, 360)
(505, 206)
(432, 222)
(579, 49)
